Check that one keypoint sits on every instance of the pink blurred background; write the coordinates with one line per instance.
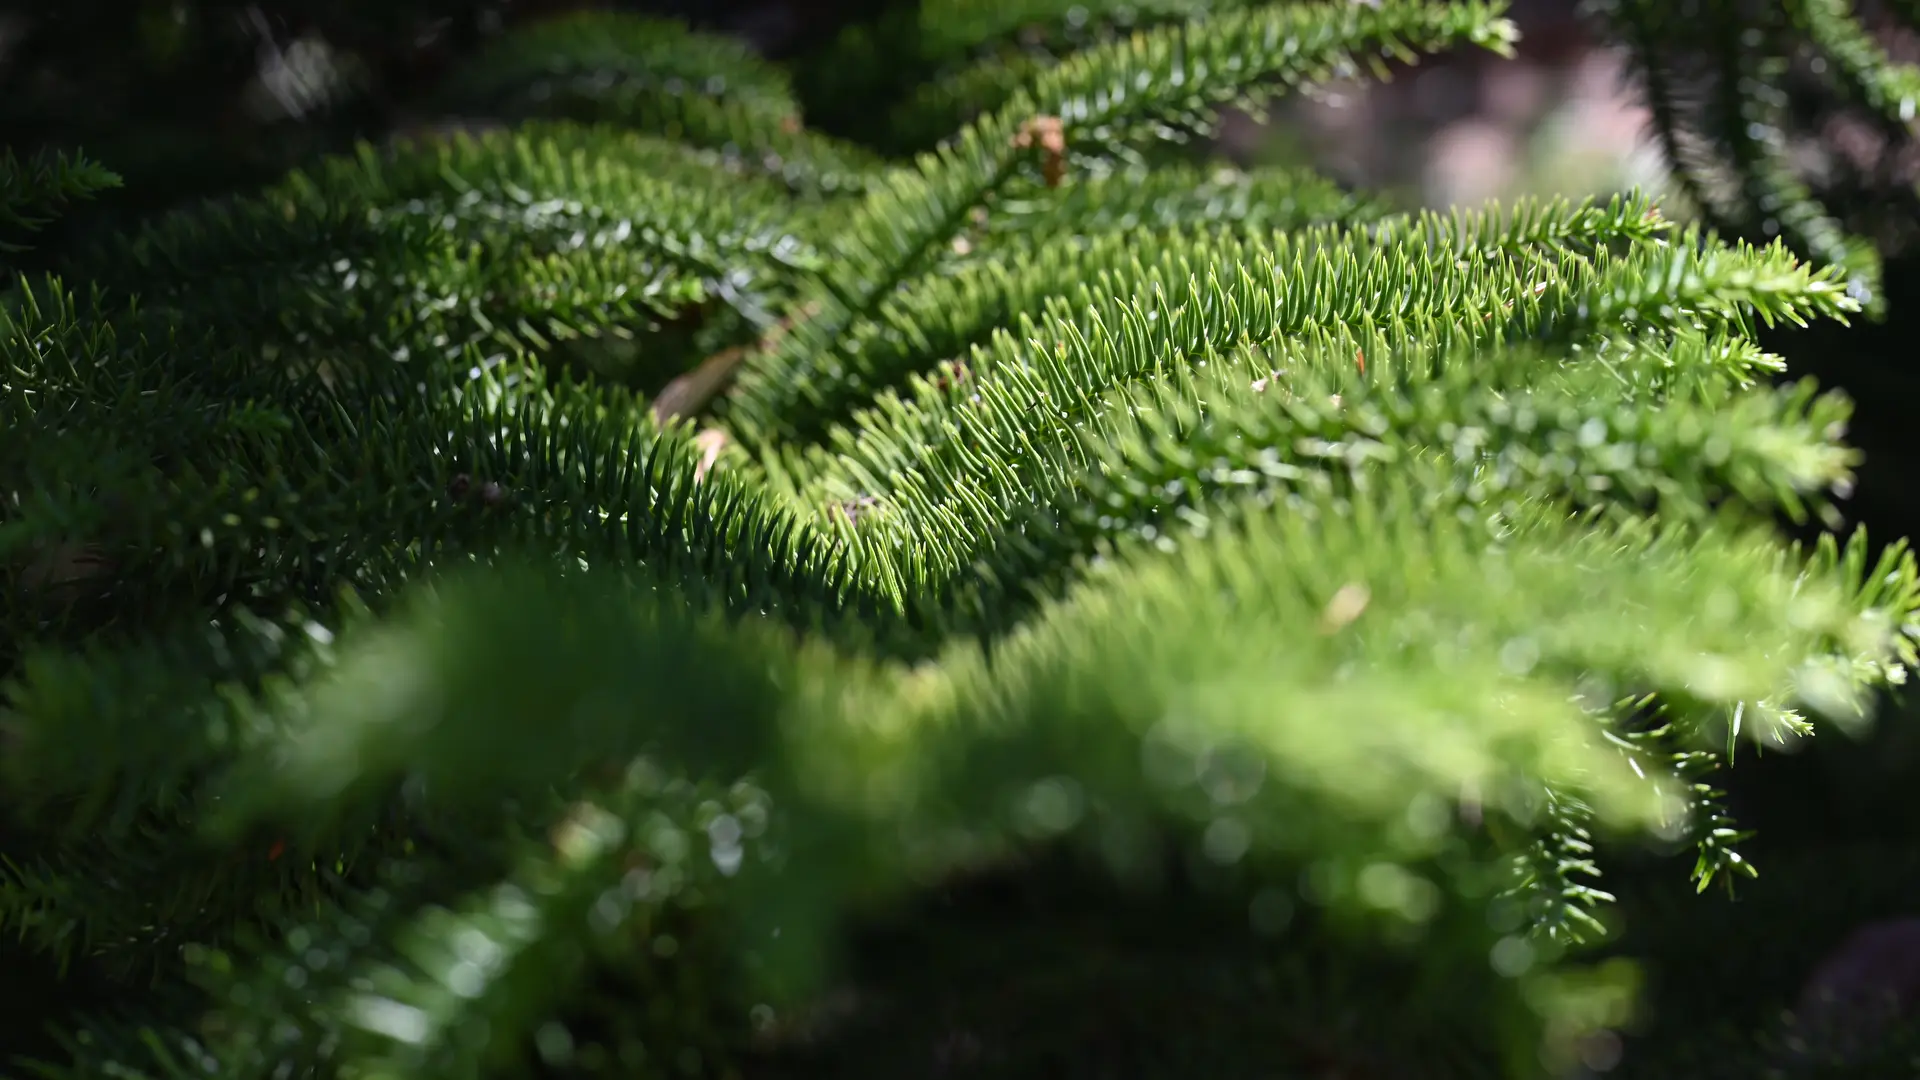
(1558, 118)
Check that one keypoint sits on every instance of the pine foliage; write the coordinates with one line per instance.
(609, 595)
(33, 191)
(1792, 120)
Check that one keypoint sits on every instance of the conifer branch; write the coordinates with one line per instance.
(1107, 96)
(658, 77)
(393, 678)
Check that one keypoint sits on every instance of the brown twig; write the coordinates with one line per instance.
(689, 392)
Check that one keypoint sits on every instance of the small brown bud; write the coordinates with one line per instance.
(711, 442)
(1050, 136)
(1348, 602)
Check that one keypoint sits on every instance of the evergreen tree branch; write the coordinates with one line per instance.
(1107, 96)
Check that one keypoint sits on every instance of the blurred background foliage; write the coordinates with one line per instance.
(194, 97)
